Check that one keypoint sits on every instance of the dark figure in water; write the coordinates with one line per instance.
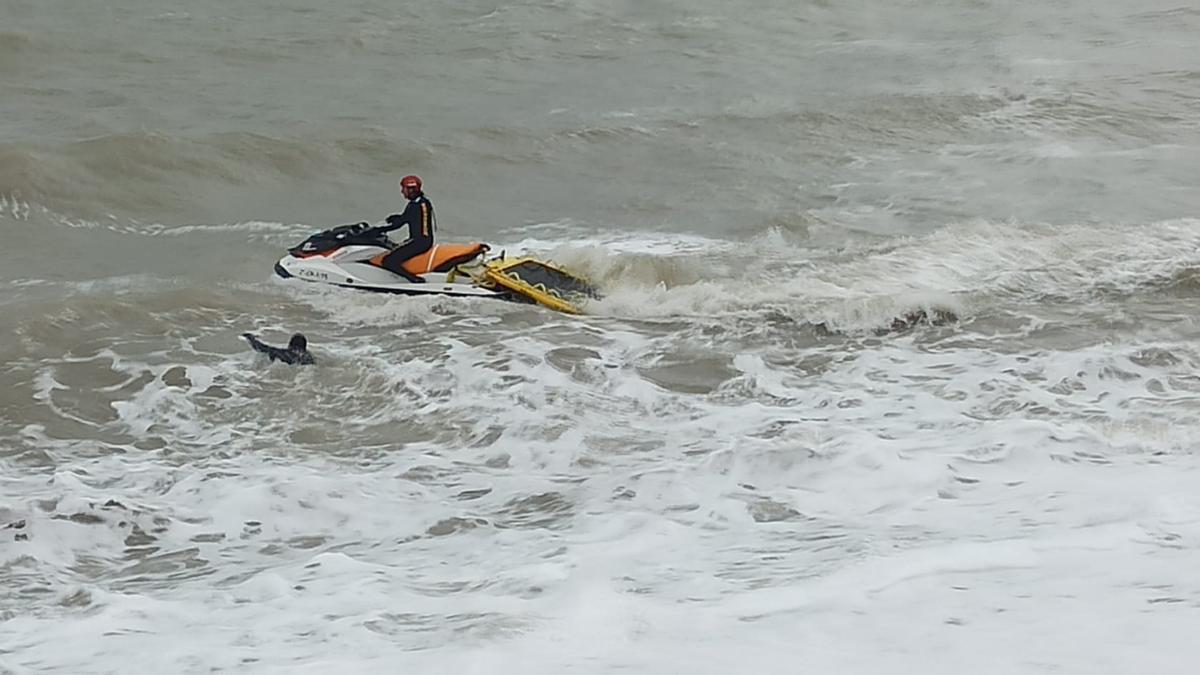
(296, 352)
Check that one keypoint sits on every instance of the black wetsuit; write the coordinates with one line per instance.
(290, 356)
(418, 216)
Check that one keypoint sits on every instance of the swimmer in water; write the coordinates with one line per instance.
(296, 352)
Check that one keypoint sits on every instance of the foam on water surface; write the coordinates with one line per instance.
(894, 368)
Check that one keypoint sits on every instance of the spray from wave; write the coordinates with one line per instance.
(954, 271)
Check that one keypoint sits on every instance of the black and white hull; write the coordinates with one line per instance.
(350, 256)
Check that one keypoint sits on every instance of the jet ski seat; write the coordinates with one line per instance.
(440, 258)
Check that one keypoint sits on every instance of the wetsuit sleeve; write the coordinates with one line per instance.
(411, 217)
(274, 353)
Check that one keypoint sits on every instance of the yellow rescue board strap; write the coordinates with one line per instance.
(496, 272)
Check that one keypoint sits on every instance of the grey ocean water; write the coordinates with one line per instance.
(729, 464)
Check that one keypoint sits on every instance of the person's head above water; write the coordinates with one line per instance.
(298, 343)
(410, 187)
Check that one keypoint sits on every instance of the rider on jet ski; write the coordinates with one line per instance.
(418, 216)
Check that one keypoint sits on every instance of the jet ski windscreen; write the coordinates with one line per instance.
(360, 234)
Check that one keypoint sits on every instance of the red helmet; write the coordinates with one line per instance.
(410, 182)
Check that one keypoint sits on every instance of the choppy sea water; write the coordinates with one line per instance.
(734, 462)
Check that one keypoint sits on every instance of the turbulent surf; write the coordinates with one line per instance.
(760, 337)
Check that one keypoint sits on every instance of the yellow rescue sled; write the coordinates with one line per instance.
(538, 281)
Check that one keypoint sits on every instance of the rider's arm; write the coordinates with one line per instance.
(410, 217)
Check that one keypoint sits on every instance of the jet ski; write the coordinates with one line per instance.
(351, 256)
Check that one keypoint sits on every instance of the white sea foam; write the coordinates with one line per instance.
(564, 515)
(750, 455)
